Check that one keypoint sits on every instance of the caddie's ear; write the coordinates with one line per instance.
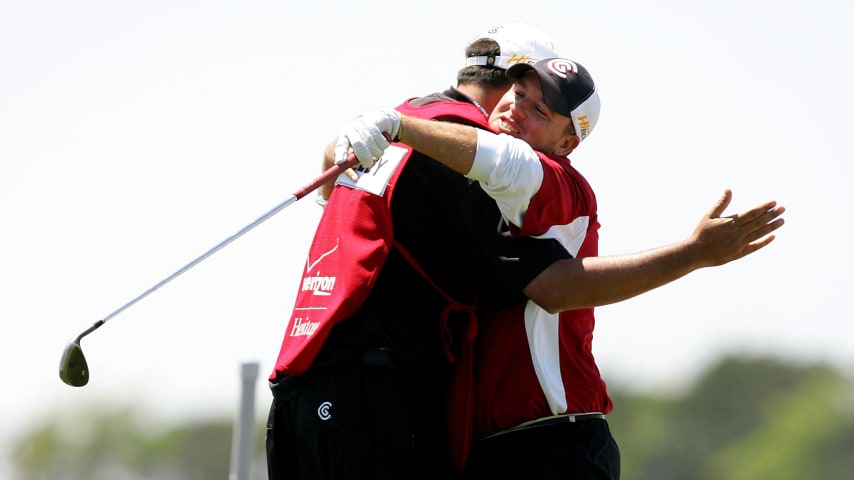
(566, 145)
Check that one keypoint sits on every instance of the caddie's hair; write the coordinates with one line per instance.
(485, 76)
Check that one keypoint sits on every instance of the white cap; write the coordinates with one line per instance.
(519, 42)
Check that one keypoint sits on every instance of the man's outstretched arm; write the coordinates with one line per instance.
(594, 281)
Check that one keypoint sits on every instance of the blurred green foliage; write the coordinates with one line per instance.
(745, 419)
(105, 443)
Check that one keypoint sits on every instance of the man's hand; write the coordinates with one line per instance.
(368, 135)
(720, 240)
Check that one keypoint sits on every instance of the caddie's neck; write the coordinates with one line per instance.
(487, 97)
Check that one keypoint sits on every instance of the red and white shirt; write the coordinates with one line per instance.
(530, 363)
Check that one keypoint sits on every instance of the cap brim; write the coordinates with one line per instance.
(516, 71)
(550, 89)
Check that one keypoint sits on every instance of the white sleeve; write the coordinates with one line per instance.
(509, 171)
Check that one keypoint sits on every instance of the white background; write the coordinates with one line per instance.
(136, 135)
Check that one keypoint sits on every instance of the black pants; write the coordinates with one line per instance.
(358, 422)
(585, 450)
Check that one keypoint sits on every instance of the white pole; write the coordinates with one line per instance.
(243, 440)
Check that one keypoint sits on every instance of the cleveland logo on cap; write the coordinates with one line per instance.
(561, 67)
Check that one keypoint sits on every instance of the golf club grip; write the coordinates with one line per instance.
(329, 174)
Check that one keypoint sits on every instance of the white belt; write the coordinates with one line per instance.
(553, 420)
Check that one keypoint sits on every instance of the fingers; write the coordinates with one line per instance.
(728, 238)
(759, 229)
(755, 222)
(761, 216)
(342, 149)
(757, 232)
(365, 139)
(348, 142)
(753, 247)
(721, 206)
(351, 174)
(760, 210)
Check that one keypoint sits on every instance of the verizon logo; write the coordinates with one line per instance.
(318, 285)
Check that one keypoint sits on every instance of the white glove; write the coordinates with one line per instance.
(368, 135)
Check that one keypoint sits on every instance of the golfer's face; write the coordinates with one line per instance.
(522, 113)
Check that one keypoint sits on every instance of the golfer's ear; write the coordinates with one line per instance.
(566, 145)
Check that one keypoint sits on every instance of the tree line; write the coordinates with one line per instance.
(745, 419)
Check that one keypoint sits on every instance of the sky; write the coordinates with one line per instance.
(134, 136)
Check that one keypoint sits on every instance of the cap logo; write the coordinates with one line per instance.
(561, 67)
(520, 59)
(585, 126)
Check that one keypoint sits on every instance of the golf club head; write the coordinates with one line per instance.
(73, 369)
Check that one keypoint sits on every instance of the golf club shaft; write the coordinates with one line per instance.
(329, 174)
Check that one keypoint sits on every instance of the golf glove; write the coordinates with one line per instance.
(368, 135)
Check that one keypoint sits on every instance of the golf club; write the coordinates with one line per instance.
(73, 369)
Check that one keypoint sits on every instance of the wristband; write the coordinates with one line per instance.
(399, 128)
